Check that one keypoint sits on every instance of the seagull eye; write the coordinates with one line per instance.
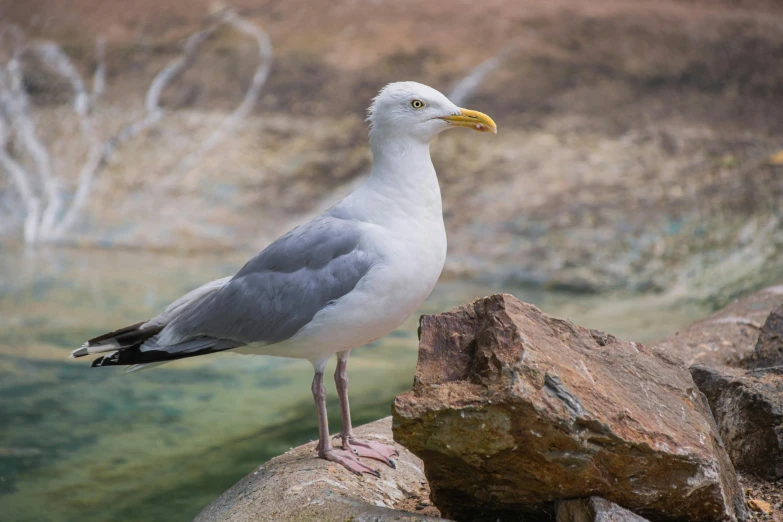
(417, 104)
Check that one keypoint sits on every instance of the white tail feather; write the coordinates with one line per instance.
(109, 345)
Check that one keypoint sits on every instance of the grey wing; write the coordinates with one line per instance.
(280, 290)
(188, 300)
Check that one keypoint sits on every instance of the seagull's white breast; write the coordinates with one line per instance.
(390, 292)
(411, 242)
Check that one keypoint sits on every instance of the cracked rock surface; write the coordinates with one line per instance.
(512, 410)
(748, 408)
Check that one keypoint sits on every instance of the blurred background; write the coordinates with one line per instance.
(635, 184)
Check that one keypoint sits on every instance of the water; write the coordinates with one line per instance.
(94, 445)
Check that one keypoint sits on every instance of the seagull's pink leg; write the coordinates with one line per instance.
(344, 457)
(363, 448)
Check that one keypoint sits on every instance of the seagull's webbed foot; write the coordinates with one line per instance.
(348, 460)
(372, 450)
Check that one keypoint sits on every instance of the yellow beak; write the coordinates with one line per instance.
(472, 119)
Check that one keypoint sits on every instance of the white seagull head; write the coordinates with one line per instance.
(410, 109)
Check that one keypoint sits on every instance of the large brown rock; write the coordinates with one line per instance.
(594, 509)
(748, 408)
(512, 410)
(769, 347)
(299, 486)
(729, 335)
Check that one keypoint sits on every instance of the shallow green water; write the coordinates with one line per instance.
(93, 445)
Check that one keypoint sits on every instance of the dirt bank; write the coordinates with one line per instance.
(632, 151)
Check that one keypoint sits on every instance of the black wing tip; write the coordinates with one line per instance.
(123, 357)
(111, 359)
(124, 339)
(134, 355)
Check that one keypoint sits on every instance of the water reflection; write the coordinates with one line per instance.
(81, 444)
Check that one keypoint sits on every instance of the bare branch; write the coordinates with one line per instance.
(15, 37)
(21, 179)
(252, 94)
(41, 220)
(470, 82)
(99, 77)
(175, 67)
(16, 105)
(152, 100)
(254, 91)
(51, 54)
(99, 154)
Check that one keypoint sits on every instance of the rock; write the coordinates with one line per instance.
(748, 408)
(512, 410)
(299, 486)
(594, 509)
(727, 336)
(769, 347)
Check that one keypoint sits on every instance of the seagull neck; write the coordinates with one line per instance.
(403, 171)
(392, 153)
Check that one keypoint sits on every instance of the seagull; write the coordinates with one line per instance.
(343, 279)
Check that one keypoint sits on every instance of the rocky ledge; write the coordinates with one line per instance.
(297, 486)
(518, 416)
